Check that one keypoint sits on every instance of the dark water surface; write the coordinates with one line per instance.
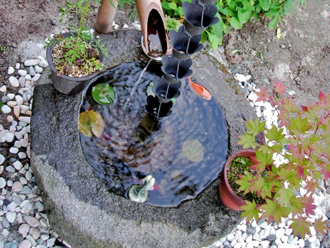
(133, 145)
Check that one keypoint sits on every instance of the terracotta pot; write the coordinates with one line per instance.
(66, 84)
(227, 195)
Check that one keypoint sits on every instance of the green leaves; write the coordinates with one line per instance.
(193, 150)
(250, 211)
(139, 192)
(103, 93)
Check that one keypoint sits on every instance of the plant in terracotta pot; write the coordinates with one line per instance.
(75, 57)
(294, 158)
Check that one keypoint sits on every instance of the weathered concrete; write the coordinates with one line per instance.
(77, 204)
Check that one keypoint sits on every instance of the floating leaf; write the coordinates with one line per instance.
(139, 192)
(90, 122)
(193, 150)
(103, 93)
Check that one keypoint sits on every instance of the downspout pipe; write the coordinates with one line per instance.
(152, 23)
(105, 16)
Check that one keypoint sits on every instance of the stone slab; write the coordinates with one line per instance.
(78, 206)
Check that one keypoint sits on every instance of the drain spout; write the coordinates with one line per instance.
(105, 16)
(154, 31)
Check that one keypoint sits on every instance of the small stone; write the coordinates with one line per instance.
(13, 82)
(10, 96)
(28, 175)
(17, 111)
(11, 70)
(301, 243)
(11, 216)
(18, 165)
(22, 155)
(19, 218)
(36, 77)
(24, 229)
(27, 77)
(26, 190)
(19, 99)
(284, 239)
(33, 242)
(40, 206)
(26, 119)
(10, 245)
(17, 66)
(23, 181)
(17, 187)
(13, 150)
(5, 109)
(32, 71)
(51, 242)
(24, 142)
(2, 159)
(10, 183)
(10, 169)
(34, 233)
(31, 221)
(9, 137)
(21, 81)
(25, 244)
(31, 62)
(22, 73)
(3, 182)
(11, 206)
(43, 63)
(11, 103)
(5, 232)
(26, 209)
(5, 223)
(38, 69)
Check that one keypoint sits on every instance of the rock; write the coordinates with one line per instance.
(9, 137)
(25, 244)
(2, 159)
(11, 96)
(31, 221)
(36, 77)
(11, 206)
(5, 109)
(26, 209)
(43, 63)
(32, 71)
(27, 77)
(19, 99)
(18, 165)
(51, 242)
(13, 150)
(11, 70)
(24, 229)
(11, 216)
(22, 155)
(13, 81)
(35, 233)
(3, 88)
(3, 182)
(17, 187)
(17, 111)
(31, 62)
(10, 245)
(22, 73)
(26, 190)
(38, 69)
(21, 81)
(301, 243)
(10, 169)
(11, 103)
(26, 119)
(17, 66)
(40, 206)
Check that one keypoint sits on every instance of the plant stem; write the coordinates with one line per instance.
(83, 18)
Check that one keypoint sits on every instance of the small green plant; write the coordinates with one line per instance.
(3, 48)
(77, 55)
(302, 140)
(139, 192)
(234, 13)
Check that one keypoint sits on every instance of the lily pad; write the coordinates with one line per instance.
(139, 192)
(103, 93)
(90, 122)
(193, 150)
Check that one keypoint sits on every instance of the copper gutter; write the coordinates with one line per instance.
(152, 23)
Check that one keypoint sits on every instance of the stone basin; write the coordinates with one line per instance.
(78, 205)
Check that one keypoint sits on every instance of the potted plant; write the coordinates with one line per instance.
(302, 143)
(75, 57)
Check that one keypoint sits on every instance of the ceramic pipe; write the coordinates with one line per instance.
(144, 8)
(105, 16)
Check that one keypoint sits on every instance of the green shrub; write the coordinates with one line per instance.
(234, 13)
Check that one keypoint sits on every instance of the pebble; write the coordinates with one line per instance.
(13, 150)
(38, 69)
(43, 63)
(31, 62)
(11, 216)
(17, 187)
(11, 70)
(22, 73)
(3, 182)
(25, 244)
(9, 137)
(24, 229)
(5, 109)
(36, 77)
(51, 242)
(18, 165)
(26, 119)
(19, 99)
(2, 159)
(17, 66)
(13, 81)
(32, 71)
